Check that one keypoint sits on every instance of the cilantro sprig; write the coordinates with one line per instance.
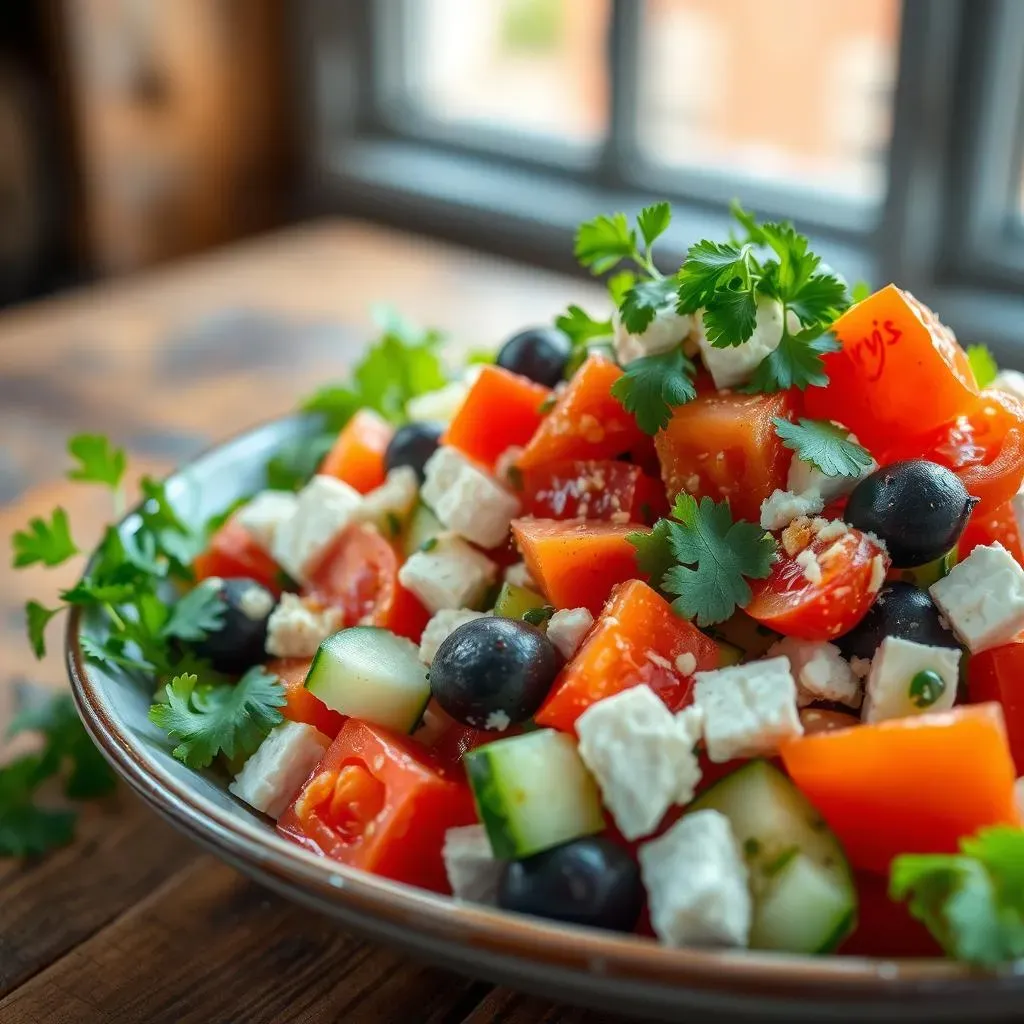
(705, 558)
(983, 365)
(823, 445)
(650, 387)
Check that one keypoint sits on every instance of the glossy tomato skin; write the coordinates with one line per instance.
(233, 552)
(301, 705)
(997, 675)
(852, 569)
(380, 803)
(998, 527)
(592, 489)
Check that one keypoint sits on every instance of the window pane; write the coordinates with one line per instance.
(528, 65)
(792, 91)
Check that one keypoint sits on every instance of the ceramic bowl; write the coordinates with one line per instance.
(627, 974)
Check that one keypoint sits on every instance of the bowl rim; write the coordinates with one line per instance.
(252, 843)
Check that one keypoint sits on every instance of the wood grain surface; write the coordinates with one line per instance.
(132, 922)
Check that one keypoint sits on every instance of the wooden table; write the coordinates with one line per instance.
(132, 922)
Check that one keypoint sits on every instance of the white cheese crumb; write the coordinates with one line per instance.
(519, 576)
(686, 664)
(256, 602)
(820, 671)
(877, 574)
(860, 667)
(441, 626)
(567, 628)
(497, 721)
(472, 869)
(296, 628)
(782, 507)
(809, 566)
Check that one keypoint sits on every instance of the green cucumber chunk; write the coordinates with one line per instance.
(805, 900)
(742, 633)
(423, 526)
(533, 792)
(369, 673)
(924, 576)
(514, 602)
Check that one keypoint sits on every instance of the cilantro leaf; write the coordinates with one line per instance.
(796, 363)
(653, 552)
(336, 403)
(618, 285)
(580, 327)
(45, 542)
(708, 266)
(603, 242)
(972, 902)
(650, 387)
(731, 319)
(232, 720)
(824, 445)
(716, 557)
(295, 463)
(819, 300)
(37, 617)
(98, 461)
(30, 831)
(641, 302)
(198, 614)
(983, 365)
(653, 221)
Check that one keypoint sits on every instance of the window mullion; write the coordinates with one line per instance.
(621, 147)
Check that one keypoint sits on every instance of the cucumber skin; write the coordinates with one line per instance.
(513, 602)
(844, 928)
(487, 795)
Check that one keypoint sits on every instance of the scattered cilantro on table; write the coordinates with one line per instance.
(823, 445)
(983, 365)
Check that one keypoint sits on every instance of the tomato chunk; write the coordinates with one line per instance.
(909, 785)
(825, 597)
(637, 639)
(998, 675)
(900, 370)
(303, 706)
(587, 422)
(592, 489)
(999, 526)
(357, 457)
(378, 802)
(502, 409)
(577, 562)
(725, 446)
(234, 553)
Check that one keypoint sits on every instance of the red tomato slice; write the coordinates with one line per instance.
(826, 607)
(999, 526)
(997, 675)
(233, 553)
(593, 489)
(303, 706)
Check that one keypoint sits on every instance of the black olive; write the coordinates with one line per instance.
(902, 610)
(492, 672)
(918, 508)
(540, 353)
(588, 881)
(412, 445)
(239, 642)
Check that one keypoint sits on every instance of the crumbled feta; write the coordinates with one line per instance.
(256, 602)
(296, 629)
(667, 330)
(519, 576)
(877, 574)
(860, 667)
(820, 671)
(567, 628)
(1011, 381)
(983, 598)
(686, 664)
(749, 710)
(809, 566)
(272, 776)
(390, 505)
(782, 507)
(441, 626)
(473, 871)
(497, 721)
(697, 883)
(641, 757)
(466, 499)
(736, 364)
(324, 508)
(262, 516)
(451, 574)
(893, 668)
(806, 478)
(826, 530)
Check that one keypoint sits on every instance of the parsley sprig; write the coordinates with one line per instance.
(823, 445)
(704, 558)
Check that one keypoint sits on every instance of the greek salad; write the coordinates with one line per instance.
(702, 618)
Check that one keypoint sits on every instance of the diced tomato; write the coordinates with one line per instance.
(587, 421)
(999, 527)
(908, 785)
(502, 409)
(884, 928)
(577, 562)
(998, 675)
(592, 489)
(301, 705)
(380, 803)
(637, 639)
(357, 457)
(234, 553)
(900, 371)
(725, 446)
(359, 575)
(796, 602)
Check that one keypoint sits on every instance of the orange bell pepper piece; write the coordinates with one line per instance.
(357, 457)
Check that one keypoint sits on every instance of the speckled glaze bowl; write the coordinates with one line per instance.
(626, 974)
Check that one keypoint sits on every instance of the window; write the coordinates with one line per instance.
(891, 131)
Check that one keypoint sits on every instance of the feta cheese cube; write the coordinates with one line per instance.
(641, 757)
(697, 883)
(389, 506)
(519, 576)
(735, 365)
(749, 710)
(806, 478)
(296, 628)
(441, 626)
(782, 507)
(473, 870)
(451, 574)
(265, 513)
(893, 669)
(324, 508)
(667, 330)
(567, 628)
(820, 671)
(272, 776)
(466, 499)
(983, 598)
(1011, 381)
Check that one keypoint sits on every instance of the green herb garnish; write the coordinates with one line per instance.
(926, 688)
(823, 445)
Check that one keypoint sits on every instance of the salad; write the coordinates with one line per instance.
(704, 620)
